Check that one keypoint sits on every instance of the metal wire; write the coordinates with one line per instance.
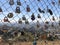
(33, 5)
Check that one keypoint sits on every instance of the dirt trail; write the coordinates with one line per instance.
(30, 43)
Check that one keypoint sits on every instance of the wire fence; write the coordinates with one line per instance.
(36, 16)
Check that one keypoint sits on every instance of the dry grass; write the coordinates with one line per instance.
(38, 43)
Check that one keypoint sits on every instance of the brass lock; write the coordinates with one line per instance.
(11, 2)
(10, 15)
(17, 9)
(32, 17)
(18, 2)
(28, 8)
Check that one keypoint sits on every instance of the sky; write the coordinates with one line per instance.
(34, 5)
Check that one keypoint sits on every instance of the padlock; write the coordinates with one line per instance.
(52, 25)
(50, 11)
(47, 22)
(53, 3)
(41, 11)
(38, 0)
(53, 18)
(26, 22)
(23, 18)
(32, 17)
(59, 23)
(17, 9)
(11, 2)
(18, 2)
(46, 27)
(28, 8)
(1, 9)
(39, 16)
(59, 2)
(10, 15)
(38, 24)
(20, 21)
(6, 19)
